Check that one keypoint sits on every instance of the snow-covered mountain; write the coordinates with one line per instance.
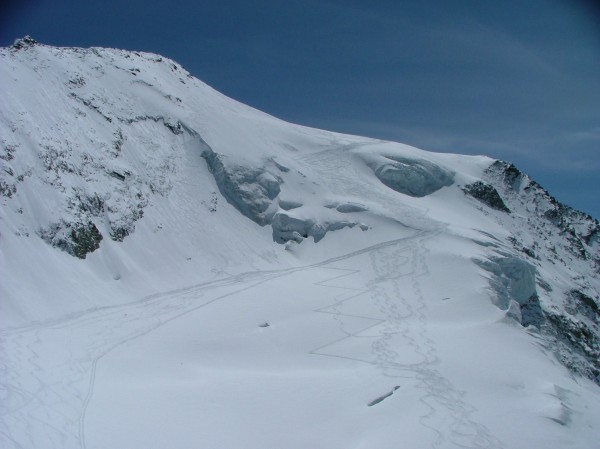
(181, 270)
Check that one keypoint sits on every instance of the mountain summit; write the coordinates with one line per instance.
(182, 270)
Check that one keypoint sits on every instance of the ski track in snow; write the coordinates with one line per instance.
(47, 374)
(400, 261)
(48, 380)
(373, 308)
(398, 265)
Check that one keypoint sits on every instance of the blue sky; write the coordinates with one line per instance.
(516, 80)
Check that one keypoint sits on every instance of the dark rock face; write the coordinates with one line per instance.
(413, 177)
(578, 303)
(114, 192)
(579, 230)
(577, 333)
(76, 239)
(24, 42)
(79, 236)
(6, 189)
(124, 225)
(487, 194)
(511, 175)
(577, 345)
(546, 229)
(86, 239)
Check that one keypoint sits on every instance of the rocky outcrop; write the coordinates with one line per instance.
(76, 239)
(486, 194)
(573, 336)
(577, 231)
(576, 344)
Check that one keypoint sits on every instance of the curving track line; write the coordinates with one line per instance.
(47, 376)
(47, 380)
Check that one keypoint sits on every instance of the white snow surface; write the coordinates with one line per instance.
(372, 324)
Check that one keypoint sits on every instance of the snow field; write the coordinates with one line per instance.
(197, 330)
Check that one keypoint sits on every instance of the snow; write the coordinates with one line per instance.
(269, 287)
(412, 177)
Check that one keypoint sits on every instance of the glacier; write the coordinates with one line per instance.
(181, 270)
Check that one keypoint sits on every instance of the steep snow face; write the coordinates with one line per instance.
(165, 249)
(93, 141)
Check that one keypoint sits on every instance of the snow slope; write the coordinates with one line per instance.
(181, 270)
